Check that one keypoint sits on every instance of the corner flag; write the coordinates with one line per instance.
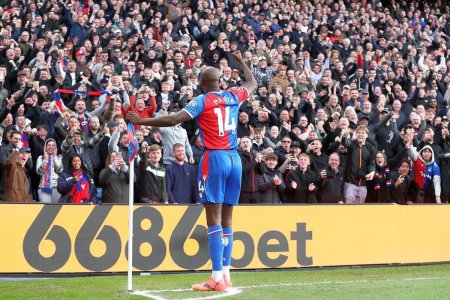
(133, 148)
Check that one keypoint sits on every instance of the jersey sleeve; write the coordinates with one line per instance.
(195, 107)
(241, 92)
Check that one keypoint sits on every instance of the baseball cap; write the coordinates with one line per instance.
(303, 89)
(24, 149)
(295, 143)
(21, 73)
(103, 80)
(262, 58)
(385, 111)
(364, 91)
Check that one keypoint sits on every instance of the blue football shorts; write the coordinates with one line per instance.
(219, 177)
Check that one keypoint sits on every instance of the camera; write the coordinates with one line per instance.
(330, 172)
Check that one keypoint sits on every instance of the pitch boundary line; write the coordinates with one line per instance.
(153, 294)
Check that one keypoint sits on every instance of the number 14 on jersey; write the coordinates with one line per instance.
(225, 124)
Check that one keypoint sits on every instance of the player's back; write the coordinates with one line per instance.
(217, 116)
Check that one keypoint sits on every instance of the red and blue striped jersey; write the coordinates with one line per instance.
(217, 117)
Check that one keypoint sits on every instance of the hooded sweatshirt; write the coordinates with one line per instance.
(41, 167)
(426, 175)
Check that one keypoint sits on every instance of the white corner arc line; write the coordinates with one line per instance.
(151, 294)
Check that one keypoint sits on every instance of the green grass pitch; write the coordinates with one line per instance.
(406, 282)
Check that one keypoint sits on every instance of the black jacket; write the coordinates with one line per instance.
(331, 189)
(303, 179)
(360, 161)
(250, 170)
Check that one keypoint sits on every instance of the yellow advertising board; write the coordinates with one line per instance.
(81, 238)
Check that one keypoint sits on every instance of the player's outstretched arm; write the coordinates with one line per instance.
(164, 121)
(250, 82)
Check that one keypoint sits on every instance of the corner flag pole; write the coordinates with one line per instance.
(130, 227)
(132, 151)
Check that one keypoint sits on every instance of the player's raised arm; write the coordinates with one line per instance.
(250, 82)
(164, 121)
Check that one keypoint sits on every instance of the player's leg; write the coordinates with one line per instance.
(227, 220)
(232, 192)
(212, 182)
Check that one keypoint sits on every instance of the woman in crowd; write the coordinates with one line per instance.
(379, 188)
(49, 166)
(76, 185)
(402, 184)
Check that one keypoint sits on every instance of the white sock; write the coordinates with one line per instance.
(226, 271)
(217, 275)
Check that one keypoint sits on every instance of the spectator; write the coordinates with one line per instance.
(152, 179)
(379, 189)
(331, 182)
(251, 168)
(76, 185)
(74, 143)
(17, 182)
(114, 178)
(303, 60)
(360, 166)
(260, 142)
(15, 144)
(426, 174)
(270, 183)
(48, 167)
(175, 135)
(403, 184)
(303, 182)
(319, 160)
(181, 179)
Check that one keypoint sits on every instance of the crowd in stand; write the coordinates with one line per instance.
(351, 107)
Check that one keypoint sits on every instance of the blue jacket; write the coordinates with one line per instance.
(66, 182)
(181, 183)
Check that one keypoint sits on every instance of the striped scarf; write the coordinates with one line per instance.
(47, 185)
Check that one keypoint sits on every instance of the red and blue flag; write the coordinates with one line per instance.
(133, 147)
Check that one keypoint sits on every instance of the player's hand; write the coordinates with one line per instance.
(132, 117)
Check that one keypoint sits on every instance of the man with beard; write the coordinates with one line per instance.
(181, 179)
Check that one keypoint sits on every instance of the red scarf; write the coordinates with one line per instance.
(80, 191)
